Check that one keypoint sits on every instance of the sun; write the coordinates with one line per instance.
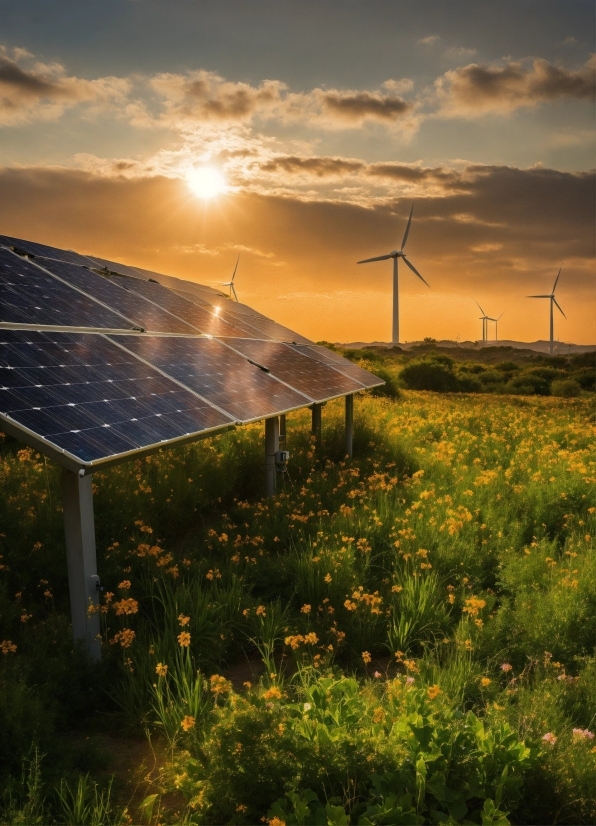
(206, 181)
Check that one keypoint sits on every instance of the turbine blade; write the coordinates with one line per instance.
(499, 316)
(235, 268)
(226, 283)
(539, 296)
(234, 291)
(560, 310)
(556, 279)
(378, 258)
(403, 243)
(414, 270)
(479, 307)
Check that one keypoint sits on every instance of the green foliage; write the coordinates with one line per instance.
(566, 388)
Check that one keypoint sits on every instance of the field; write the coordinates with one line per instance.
(407, 637)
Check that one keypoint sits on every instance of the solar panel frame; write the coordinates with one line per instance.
(43, 250)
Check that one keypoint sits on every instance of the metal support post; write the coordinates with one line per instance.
(271, 448)
(83, 582)
(282, 431)
(316, 425)
(349, 425)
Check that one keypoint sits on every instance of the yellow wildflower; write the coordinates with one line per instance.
(184, 639)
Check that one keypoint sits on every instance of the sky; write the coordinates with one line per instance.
(179, 134)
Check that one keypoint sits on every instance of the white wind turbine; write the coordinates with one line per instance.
(485, 319)
(230, 284)
(553, 301)
(395, 254)
(497, 327)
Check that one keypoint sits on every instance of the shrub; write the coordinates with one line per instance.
(565, 387)
(430, 374)
(528, 384)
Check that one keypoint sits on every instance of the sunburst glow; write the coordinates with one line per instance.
(206, 182)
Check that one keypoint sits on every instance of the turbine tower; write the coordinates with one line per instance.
(553, 301)
(497, 327)
(395, 254)
(485, 319)
(230, 284)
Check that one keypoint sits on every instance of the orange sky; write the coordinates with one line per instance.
(324, 143)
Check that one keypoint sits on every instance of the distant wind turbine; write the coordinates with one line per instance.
(395, 254)
(497, 327)
(553, 301)
(230, 284)
(485, 319)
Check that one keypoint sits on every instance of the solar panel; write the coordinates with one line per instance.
(28, 295)
(175, 284)
(217, 373)
(34, 249)
(113, 291)
(201, 318)
(83, 394)
(338, 362)
(316, 380)
(114, 266)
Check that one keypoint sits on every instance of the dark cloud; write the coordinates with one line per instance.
(479, 87)
(27, 84)
(321, 167)
(357, 106)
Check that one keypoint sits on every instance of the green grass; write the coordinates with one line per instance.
(452, 557)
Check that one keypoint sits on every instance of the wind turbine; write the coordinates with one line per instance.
(395, 254)
(485, 319)
(230, 284)
(553, 301)
(497, 327)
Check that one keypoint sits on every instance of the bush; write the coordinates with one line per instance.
(430, 374)
(528, 384)
(565, 387)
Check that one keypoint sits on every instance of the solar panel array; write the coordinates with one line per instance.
(101, 360)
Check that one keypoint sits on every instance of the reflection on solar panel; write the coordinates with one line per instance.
(178, 283)
(313, 378)
(28, 295)
(114, 293)
(113, 266)
(217, 373)
(340, 363)
(34, 249)
(201, 318)
(92, 399)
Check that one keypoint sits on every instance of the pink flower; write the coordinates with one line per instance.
(506, 667)
(377, 675)
(561, 677)
(582, 734)
(409, 680)
(549, 738)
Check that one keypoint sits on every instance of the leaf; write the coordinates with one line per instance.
(336, 815)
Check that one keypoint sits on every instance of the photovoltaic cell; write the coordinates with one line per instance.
(313, 378)
(217, 373)
(174, 283)
(82, 393)
(113, 292)
(199, 317)
(30, 296)
(344, 365)
(114, 266)
(43, 250)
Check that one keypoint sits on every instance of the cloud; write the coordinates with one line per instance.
(44, 91)
(498, 230)
(356, 107)
(321, 167)
(480, 88)
(430, 40)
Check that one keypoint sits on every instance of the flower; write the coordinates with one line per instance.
(126, 606)
(276, 821)
(124, 637)
(261, 611)
(184, 639)
(366, 657)
(161, 670)
(549, 738)
(8, 647)
(378, 715)
(377, 675)
(582, 734)
(506, 667)
(305, 609)
(183, 620)
(433, 691)
(187, 722)
(272, 693)
(219, 685)
(124, 585)
(307, 706)
(410, 680)
(484, 681)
